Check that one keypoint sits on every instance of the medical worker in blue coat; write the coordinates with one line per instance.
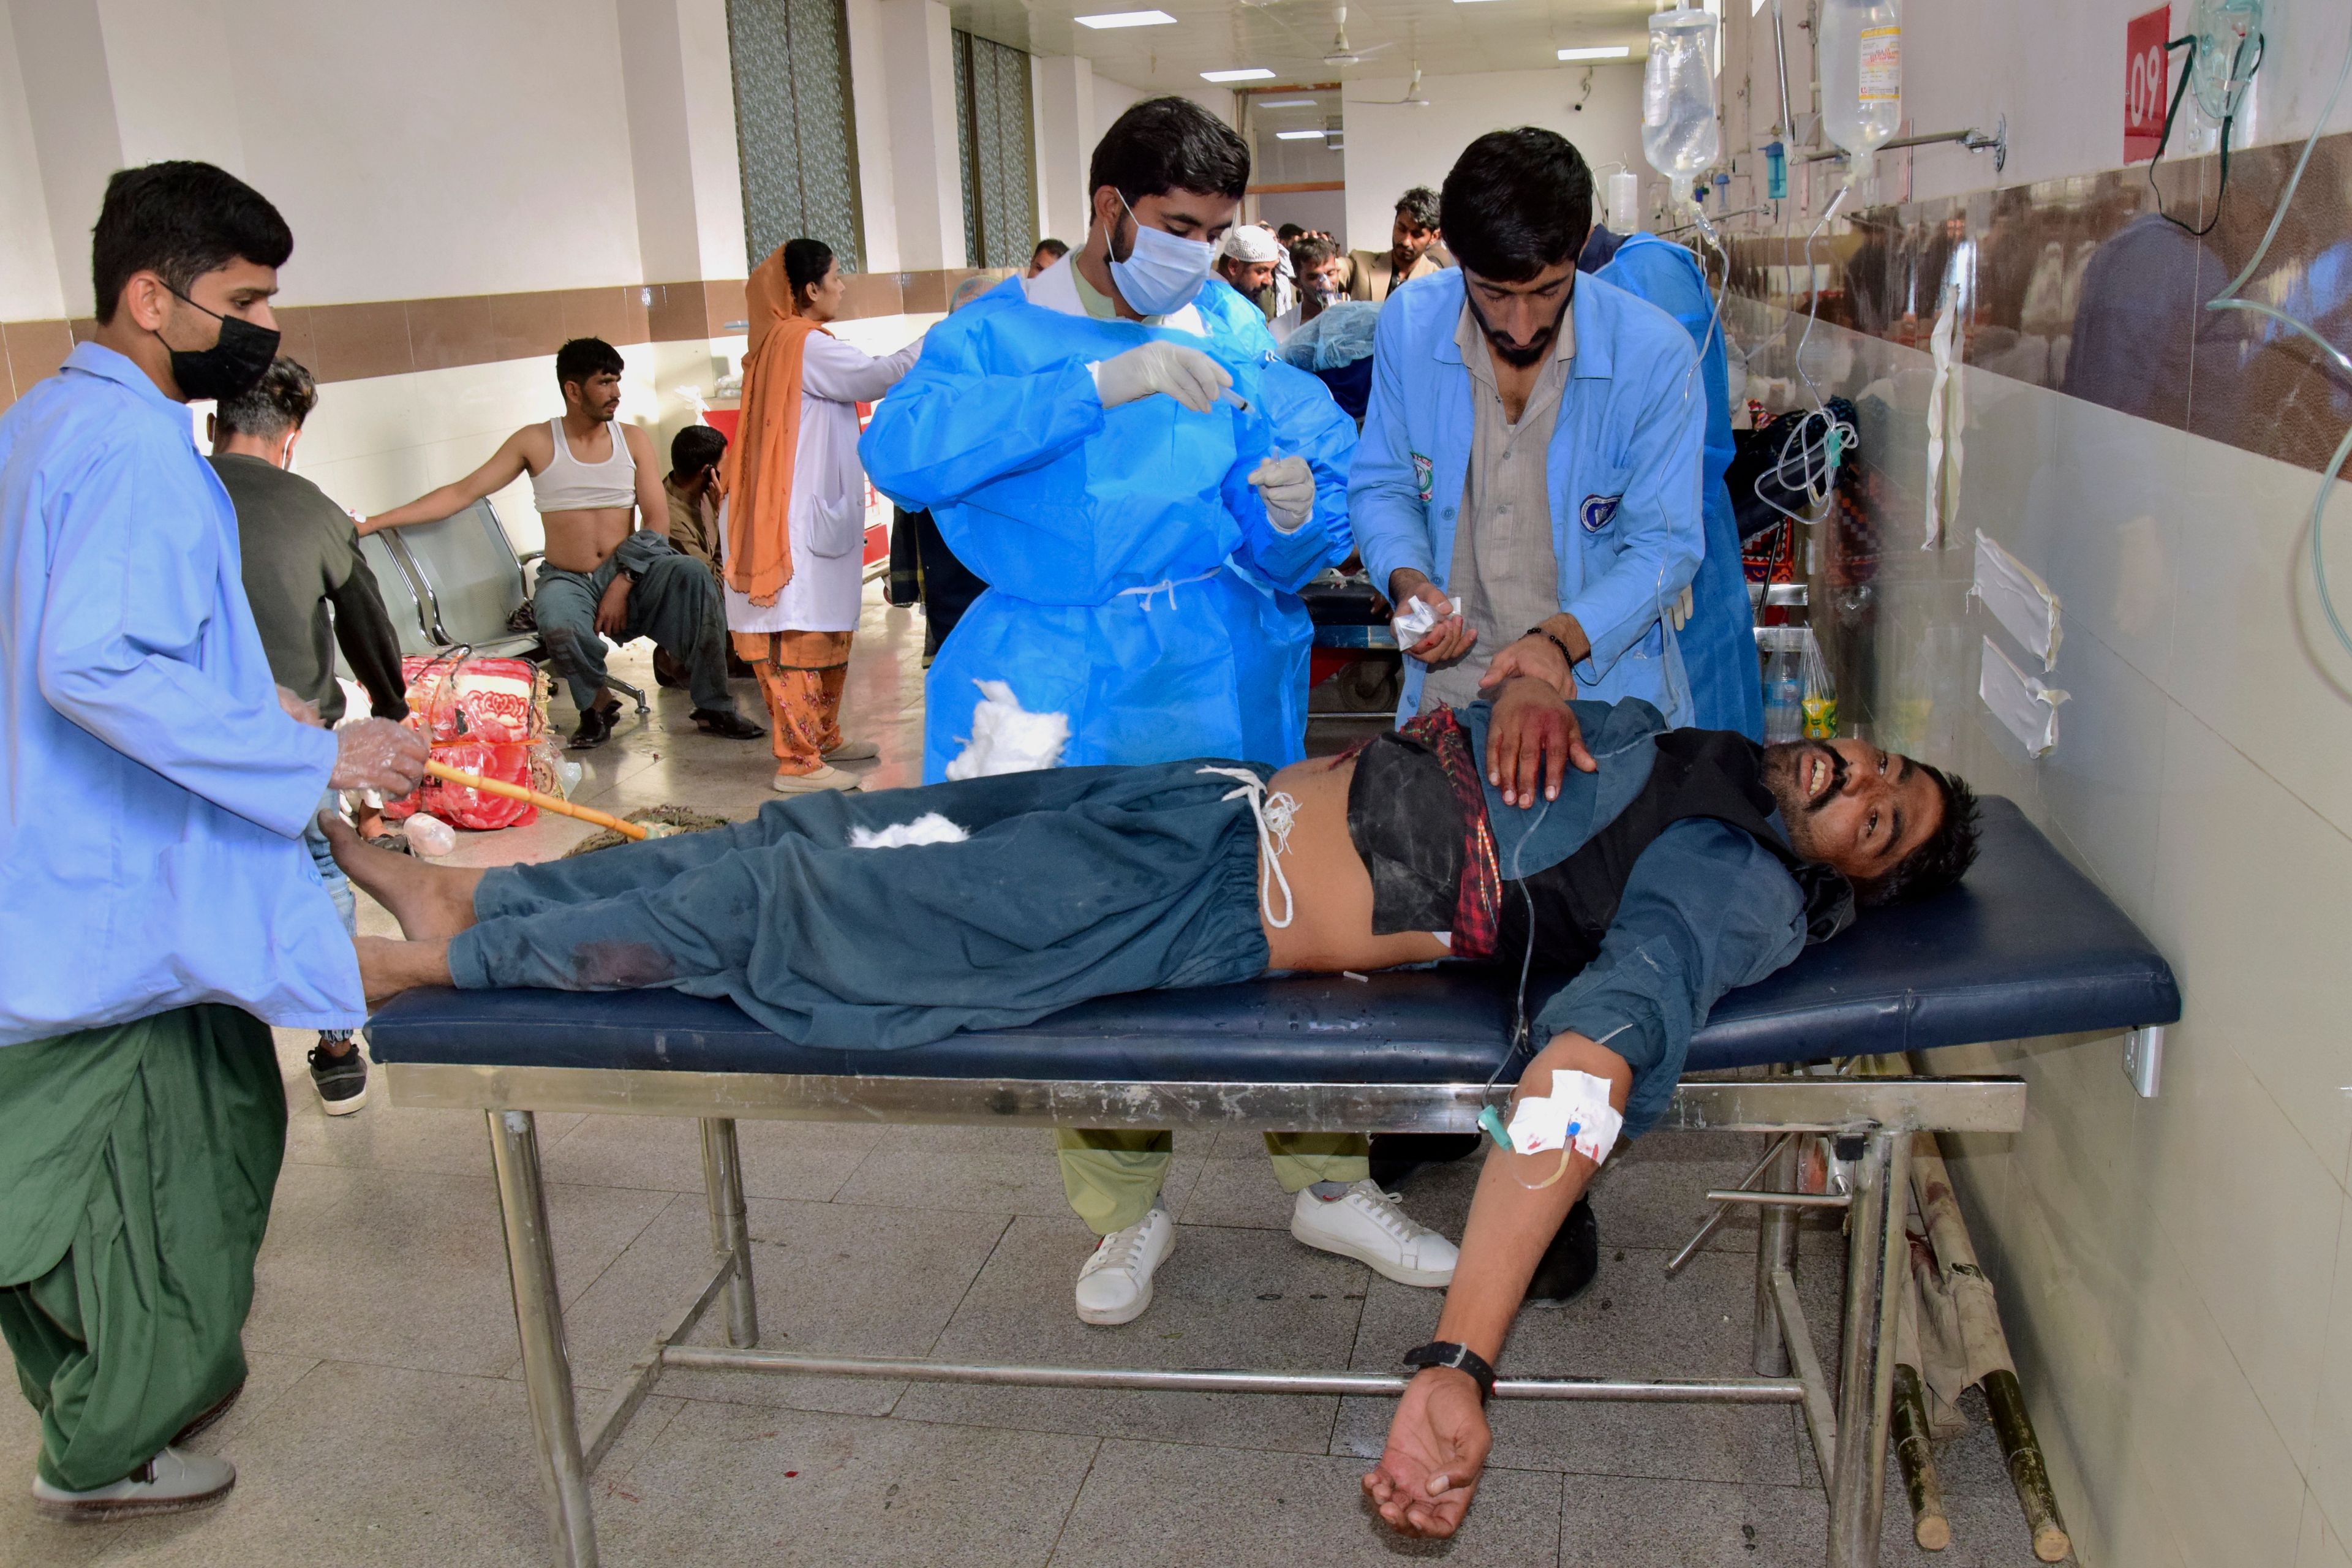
(1532, 450)
(1719, 641)
(1117, 451)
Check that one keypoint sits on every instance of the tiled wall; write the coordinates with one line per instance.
(2176, 1274)
(396, 337)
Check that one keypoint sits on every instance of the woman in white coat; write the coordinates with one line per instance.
(795, 518)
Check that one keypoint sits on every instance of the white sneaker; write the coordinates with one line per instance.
(825, 777)
(171, 1482)
(853, 751)
(1115, 1287)
(1368, 1227)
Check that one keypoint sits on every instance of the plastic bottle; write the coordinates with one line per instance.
(1862, 77)
(1679, 135)
(1624, 202)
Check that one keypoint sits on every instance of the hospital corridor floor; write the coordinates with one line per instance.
(384, 1421)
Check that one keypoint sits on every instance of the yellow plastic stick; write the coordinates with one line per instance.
(556, 803)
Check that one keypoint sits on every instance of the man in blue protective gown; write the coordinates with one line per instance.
(1114, 448)
(1718, 640)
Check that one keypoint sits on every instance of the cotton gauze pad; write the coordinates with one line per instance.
(929, 829)
(1006, 738)
(1417, 620)
(1576, 1113)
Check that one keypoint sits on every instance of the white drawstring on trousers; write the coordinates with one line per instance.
(1277, 814)
(1167, 586)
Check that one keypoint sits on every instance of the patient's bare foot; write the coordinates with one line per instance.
(387, 967)
(429, 901)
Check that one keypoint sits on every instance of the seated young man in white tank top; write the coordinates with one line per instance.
(604, 574)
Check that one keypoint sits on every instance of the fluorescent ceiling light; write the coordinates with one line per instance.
(1248, 73)
(1126, 20)
(1287, 104)
(1597, 52)
(1300, 135)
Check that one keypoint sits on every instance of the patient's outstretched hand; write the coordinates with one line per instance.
(1436, 1451)
(1532, 738)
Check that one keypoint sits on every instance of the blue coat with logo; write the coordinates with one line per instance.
(1628, 524)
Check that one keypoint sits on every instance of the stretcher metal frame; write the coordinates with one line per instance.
(1872, 1120)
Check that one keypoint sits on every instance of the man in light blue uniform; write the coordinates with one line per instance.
(1530, 473)
(1143, 550)
(1532, 450)
(158, 909)
(1718, 642)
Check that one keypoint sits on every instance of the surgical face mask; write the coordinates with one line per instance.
(1161, 274)
(232, 366)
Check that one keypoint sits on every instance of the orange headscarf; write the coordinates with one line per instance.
(758, 469)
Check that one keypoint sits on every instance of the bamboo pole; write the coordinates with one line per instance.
(1915, 1453)
(556, 803)
(1986, 1345)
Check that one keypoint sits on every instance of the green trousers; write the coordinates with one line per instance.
(136, 1168)
(1112, 1176)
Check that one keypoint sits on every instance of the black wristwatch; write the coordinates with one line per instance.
(1445, 1353)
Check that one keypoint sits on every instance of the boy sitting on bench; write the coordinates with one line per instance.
(1665, 867)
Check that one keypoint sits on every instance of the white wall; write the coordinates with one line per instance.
(29, 290)
(1112, 99)
(1392, 148)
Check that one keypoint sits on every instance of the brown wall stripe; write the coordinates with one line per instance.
(391, 337)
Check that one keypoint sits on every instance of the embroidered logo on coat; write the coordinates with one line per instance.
(1422, 471)
(1597, 511)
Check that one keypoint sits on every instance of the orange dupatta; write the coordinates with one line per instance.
(757, 472)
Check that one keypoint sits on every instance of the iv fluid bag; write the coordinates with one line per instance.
(1862, 73)
(1679, 135)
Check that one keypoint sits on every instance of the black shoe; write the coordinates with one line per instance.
(340, 1081)
(595, 727)
(727, 726)
(668, 673)
(1570, 1263)
(1396, 1155)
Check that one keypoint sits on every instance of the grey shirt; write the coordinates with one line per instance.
(1505, 570)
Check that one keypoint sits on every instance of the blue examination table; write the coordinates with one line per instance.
(2026, 947)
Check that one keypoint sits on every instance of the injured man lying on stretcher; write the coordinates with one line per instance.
(1662, 868)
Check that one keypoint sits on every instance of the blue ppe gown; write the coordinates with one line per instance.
(1720, 644)
(1135, 583)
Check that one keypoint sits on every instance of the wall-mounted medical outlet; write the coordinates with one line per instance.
(2144, 1059)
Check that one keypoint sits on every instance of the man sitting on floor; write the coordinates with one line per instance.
(1663, 867)
(602, 576)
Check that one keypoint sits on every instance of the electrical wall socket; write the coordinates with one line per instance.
(2144, 1059)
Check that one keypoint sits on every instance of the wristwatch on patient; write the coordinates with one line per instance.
(1461, 1357)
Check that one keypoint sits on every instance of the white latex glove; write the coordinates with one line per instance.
(379, 755)
(1287, 485)
(1187, 375)
(301, 709)
(1678, 613)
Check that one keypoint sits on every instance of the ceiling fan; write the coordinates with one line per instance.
(1342, 53)
(1414, 97)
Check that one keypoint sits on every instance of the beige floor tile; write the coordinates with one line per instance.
(1161, 1505)
(731, 1484)
(408, 1269)
(780, 1158)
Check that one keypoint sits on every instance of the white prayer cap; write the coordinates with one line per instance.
(1252, 243)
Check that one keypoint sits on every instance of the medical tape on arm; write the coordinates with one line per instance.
(1576, 1115)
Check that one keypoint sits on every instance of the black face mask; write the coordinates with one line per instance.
(231, 367)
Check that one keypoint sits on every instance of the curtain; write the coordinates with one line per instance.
(795, 132)
(998, 152)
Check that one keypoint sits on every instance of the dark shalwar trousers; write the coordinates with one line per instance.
(136, 1167)
(1075, 883)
